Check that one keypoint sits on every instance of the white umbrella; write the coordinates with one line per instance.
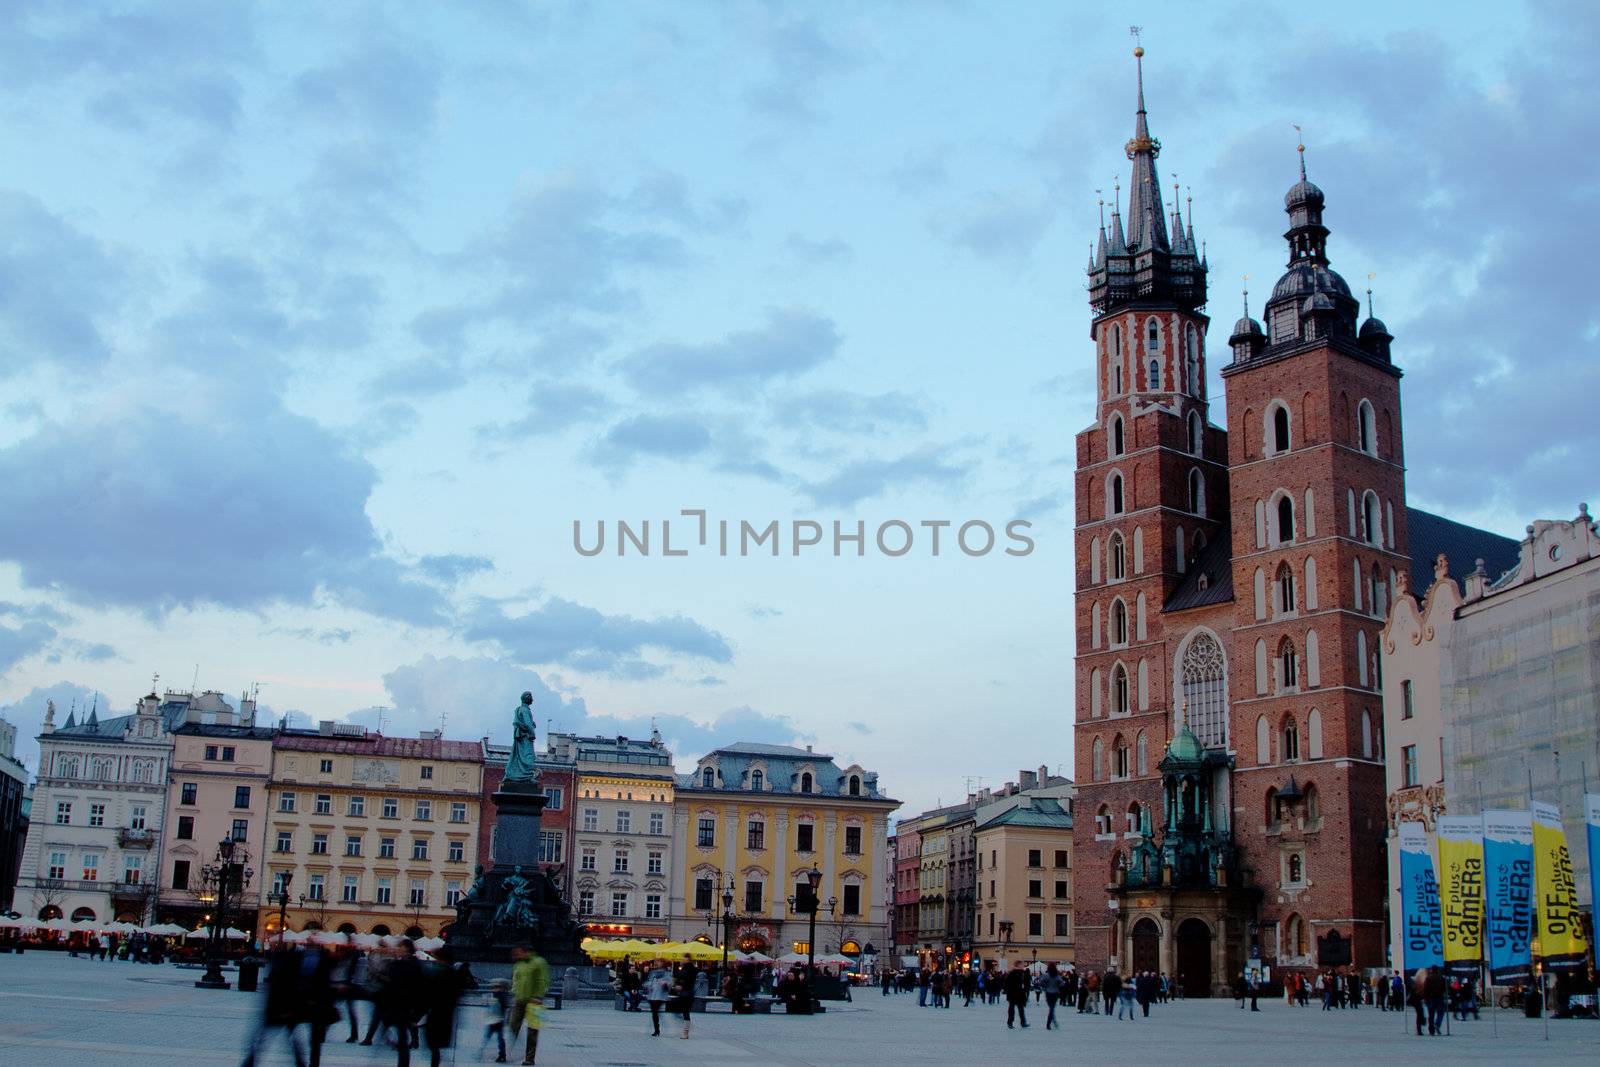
(199, 931)
(430, 944)
(366, 940)
(294, 937)
(168, 930)
(791, 958)
(22, 923)
(756, 957)
(233, 934)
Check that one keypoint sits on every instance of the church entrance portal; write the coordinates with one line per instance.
(1146, 946)
(1194, 957)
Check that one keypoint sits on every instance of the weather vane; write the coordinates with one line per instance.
(1134, 32)
(1300, 137)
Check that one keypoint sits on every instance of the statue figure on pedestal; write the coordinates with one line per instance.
(518, 910)
(520, 768)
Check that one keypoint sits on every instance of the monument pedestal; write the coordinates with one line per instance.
(484, 934)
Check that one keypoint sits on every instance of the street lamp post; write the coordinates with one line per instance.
(812, 906)
(727, 929)
(228, 875)
(283, 904)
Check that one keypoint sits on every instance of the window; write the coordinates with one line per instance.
(1407, 708)
(708, 778)
(1366, 440)
(852, 840)
(805, 782)
(418, 892)
(1119, 691)
(1313, 803)
(325, 766)
(190, 790)
(652, 905)
(1116, 435)
(319, 844)
(653, 863)
(180, 874)
(1285, 520)
(324, 804)
(1114, 494)
(1285, 588)
(186, 828)
(97, 814)
(1191, 347)
(752, 897)
(624, 821)
(286, 801)
(91, 867)
(211, 752)
(1119, 623)
(658, 823)
(1062, 929)
(553, 797)
(1116, 558)
(586, 902)
(756, 834)
(386, 848)
(591, 818)
(419, 848)
(1290, 741)
(1280, 429)
(452, 894)
(1408, 761)
(1197, 492)
(356, 806)
(316, 890)
(619, 905)
(391, 808)
(706, 832)
(1035, 857)
(352, 845)
(1371, 525)
(1061, 857)
(352, 884)
(227, 753)
(852, 899)
(1035, 924)
(1296, 868)
(241, 796)
(1196, 431)
(427, 772)
(1295, 942)
(457, 852)
(758, 781)
(1288, 665)
(58, 866)
(385, 890)
(458, 811)
(1061, 890)
(1152, 336)
(423, 811)
(1155, 376)
(550, 846)
(619, 861)
(805, 837)
(285, 841)
(63, 812)
(587, 859)
(854, 788)
(703, 891)
(1120, 763)
(241, 829)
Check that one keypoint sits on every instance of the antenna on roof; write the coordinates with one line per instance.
(194, 686)
(383, 715)
(155, 683)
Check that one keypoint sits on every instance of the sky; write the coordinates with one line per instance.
(322, 325)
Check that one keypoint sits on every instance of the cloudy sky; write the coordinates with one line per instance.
(321, 324)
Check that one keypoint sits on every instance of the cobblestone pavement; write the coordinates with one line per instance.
(56, 1011)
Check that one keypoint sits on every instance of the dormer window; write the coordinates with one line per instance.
(805, 782)
(855, 785)
(758, 781)
(708, 778)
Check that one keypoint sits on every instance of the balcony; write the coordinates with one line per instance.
(129, 838)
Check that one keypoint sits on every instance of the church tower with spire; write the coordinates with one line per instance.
(1231, 586)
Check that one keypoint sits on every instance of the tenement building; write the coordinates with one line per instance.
(369, 834)
(757, 822)
(1233, 581)
(13, 813)
(1023, 872)
(1490, 686)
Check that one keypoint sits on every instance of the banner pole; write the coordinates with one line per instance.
(1544, 1001)
(1485, 976)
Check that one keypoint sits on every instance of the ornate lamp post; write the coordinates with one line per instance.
(417, 905)
(812, 906)
(727, 927)
(282, 896)
(228, 876)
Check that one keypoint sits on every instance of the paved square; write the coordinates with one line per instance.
(56, 1011)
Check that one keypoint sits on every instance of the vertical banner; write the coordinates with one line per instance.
(1419, 899)
(1508, 866)
(1591, 817)
(1461, 892)
(1561, 943)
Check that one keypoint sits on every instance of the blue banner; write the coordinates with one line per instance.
(1508, 863)
(1419, 900)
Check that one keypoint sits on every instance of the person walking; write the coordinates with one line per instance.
(1433, 990)
(349, 980)
(280, 1008)
(1125, 995)
(500, 991)
(1016, 988)
(1051, 984)
(530, 980)
(658, 990)
(1111, 990)
(1241, 989)
(445, 983)
(1419, 1006)
(924, 979)
(1145, 991)
(969, 987)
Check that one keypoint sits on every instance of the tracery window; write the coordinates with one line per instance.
(1205, 690)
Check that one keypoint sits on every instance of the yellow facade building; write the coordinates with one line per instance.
(1024, 881)
(373, 834)
(753, 820)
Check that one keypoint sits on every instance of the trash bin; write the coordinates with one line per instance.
(249, 971)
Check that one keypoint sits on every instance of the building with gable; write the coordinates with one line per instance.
(753, 819)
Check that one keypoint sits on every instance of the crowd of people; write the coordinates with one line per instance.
(1091, 992)
(411, 1001)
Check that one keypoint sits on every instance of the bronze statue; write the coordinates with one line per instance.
(517, 910)
(520, 768)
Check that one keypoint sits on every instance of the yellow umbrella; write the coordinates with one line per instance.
(689, 950)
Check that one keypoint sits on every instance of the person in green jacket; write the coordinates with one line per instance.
(530, 979)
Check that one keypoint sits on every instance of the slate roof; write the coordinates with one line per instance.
(1215, 564)
(378, 745)
(248, 733)
(1040, 812)
(1461, 545)
(755, 748)
(112, 729)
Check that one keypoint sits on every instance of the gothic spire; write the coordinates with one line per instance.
(1147, 226)
(1119, 244)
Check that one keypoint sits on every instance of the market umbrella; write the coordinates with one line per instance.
(366, 940)
(755, 957)
(792, 958)
(689, 950)
(22, 923)
(598, 949)
(430, 944)
(330, 937)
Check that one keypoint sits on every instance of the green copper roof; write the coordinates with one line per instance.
(1185, 747)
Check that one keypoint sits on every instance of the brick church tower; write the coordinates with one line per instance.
(1230, 589)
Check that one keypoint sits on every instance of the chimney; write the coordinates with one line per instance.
(1044, 773)
(325, 727)
(1026, 780)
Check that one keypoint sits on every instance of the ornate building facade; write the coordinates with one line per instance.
(1232, 581)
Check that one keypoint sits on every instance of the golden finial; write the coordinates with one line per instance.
(1300, 135)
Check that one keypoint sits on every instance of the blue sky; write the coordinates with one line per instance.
(320, 324)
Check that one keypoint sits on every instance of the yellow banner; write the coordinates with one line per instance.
(1461, 892)
(1560, 931)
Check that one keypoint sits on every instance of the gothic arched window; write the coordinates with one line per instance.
(1285, 588)
(1280, 429)
(1119, 689)
(1116, 435)
(1285, 519)
(1195, 433)
(1114, 494)
(1290, 740)
(1366, 439)
(1288, 665)
(1155, 376)
(1116, 557)
(1192, 359)
(1152, 335)
(1203, 679)
(1371, 525)
(1197, 492)
(1119, 623)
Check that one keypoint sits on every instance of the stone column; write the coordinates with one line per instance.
(682, 888)
(779, 843)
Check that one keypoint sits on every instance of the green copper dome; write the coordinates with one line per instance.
(1185, 747)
